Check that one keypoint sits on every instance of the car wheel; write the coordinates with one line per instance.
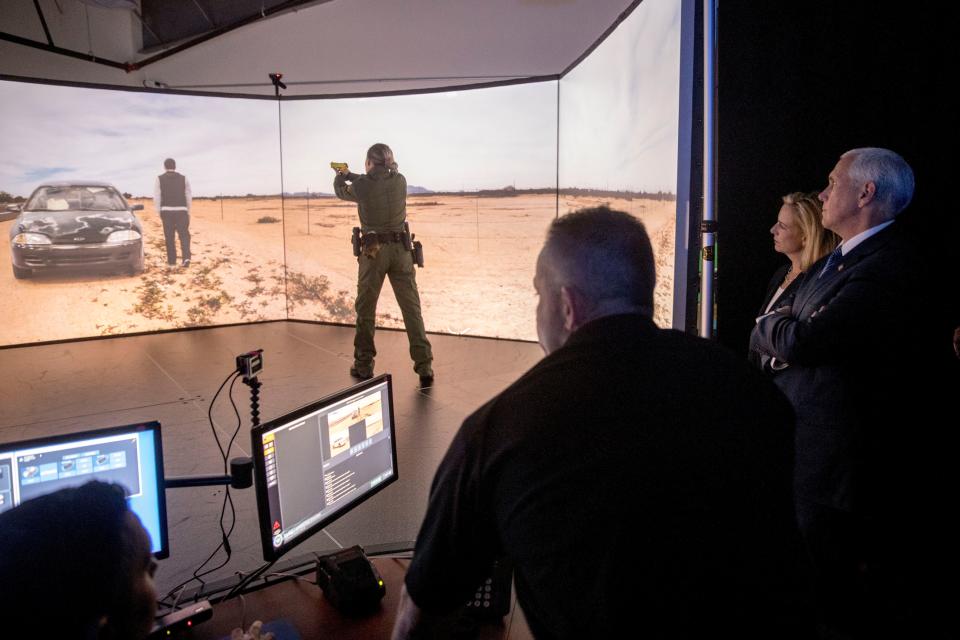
(20, 274)
(136, 267)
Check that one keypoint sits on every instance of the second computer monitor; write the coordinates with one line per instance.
(131, 456)
(318, 462)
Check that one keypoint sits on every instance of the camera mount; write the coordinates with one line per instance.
(275, 78)
(241, 468)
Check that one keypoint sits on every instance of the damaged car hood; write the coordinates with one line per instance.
(76, 226)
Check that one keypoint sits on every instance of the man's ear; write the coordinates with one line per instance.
(570, 308)
(867, 192)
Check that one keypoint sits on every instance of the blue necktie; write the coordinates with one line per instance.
(832, 261)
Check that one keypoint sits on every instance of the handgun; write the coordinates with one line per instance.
(340, 167)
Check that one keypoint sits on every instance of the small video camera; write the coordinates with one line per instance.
(339, 166)
(250, 364)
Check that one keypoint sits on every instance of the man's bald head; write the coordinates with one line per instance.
(595, 262)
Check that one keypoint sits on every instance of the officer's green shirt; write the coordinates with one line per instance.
(381, 196)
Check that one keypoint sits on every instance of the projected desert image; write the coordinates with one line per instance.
(487, 171)
(370, 413)
(232, 280)
(477, 279)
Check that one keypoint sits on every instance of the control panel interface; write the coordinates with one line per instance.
(128, 456)
(321, 463)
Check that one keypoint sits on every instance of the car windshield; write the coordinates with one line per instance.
(75, 198)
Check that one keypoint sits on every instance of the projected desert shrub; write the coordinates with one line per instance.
(229, 152)
(619, 132)
(481, 174)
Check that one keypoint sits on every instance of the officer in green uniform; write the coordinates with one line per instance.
(381, 196)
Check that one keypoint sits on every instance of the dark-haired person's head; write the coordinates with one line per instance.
(81, 555)
(595, 263)
(381, 155)
(169, 164)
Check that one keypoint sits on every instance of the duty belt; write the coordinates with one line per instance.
(386, 237)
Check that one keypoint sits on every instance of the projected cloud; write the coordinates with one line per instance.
(456, 141)
(61, 133)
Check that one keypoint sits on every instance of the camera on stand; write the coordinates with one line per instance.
(250, 364)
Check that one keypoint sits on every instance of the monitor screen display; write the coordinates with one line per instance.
(314, 464)
(131, 456)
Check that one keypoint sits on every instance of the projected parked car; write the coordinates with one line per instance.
(67, 225)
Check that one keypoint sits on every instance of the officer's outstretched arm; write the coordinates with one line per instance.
(342, 188)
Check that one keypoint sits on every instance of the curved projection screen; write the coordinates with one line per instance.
(487, 169)
(482, 168)
(227, 149)
(619, 129)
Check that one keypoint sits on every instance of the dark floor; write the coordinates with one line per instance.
(171, 377)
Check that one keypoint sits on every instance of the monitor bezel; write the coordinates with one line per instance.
(153, 427)
(271, 553)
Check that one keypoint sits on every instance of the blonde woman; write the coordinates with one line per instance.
(798, 234)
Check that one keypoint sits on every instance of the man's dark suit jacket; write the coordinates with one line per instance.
(638, 479)
(848, 340)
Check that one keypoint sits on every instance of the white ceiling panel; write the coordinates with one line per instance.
(328, 48)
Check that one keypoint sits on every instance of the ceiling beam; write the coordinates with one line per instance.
(88, 57)
(43, 22)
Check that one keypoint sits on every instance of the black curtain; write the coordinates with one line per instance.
(799, 84)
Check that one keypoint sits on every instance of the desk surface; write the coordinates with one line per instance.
(303, 605)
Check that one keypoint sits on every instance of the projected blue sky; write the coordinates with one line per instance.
(63, 133)
(460, 140)
(618, 130)
(619, 107)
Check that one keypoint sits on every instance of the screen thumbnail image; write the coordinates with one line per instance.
(6, 488)
(45, 471)
(355, 422)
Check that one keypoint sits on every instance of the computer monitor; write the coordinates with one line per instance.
(318, 462)
(131, 456)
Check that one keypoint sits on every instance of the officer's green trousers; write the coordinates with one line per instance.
(395, 262)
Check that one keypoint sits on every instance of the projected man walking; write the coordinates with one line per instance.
(172, 199)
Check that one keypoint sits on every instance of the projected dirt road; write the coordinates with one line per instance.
(480, 255)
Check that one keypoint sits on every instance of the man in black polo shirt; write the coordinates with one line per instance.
(636, 478)
(172, 199)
